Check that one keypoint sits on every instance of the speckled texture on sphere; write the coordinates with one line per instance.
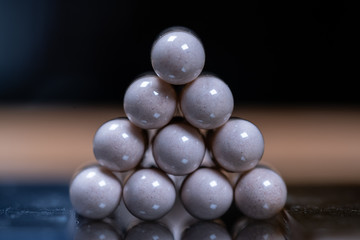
(207, 102)
(206, 194)
(238, 145)
(205, 230)
(119, 145)
(149, 102)
(261, 193)
(95, 192)
(178, 148)
(149, 194)
(177, 56)
(150, 231)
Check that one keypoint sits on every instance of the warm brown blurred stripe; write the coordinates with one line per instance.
(316, 145)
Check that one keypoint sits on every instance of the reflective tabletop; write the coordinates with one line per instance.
(44, 211)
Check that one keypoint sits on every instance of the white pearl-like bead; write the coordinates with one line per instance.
(119, 145)
(95, 192)
(178, 148)
(206, 194)
(149, 194)
(149, 102)
(261, 193)
(178, 56)
(207, 102)
(238, 145)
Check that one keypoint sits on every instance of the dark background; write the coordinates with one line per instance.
(89, 51)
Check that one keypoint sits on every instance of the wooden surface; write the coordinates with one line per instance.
(307, 145)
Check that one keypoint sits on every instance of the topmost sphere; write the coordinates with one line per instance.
(177, 56)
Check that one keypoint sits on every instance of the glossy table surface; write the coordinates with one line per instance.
(312, 212)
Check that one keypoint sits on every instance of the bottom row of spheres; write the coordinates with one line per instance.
(149, 193)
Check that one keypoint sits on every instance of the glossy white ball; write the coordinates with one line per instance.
(95, 192)
(119, 145)
(177, 56)
(149, 194)
(149, 102)
(207, 102)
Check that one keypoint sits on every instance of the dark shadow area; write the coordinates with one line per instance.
(89, 52)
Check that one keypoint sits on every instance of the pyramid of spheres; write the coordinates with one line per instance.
(179, 140)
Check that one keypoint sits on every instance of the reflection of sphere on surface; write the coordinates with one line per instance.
(96, 231)
(206, 230)
(260, 230)
(150, 231)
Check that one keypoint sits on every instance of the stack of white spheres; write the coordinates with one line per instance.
(179, 145)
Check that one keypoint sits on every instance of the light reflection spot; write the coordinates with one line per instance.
(113, 126)
(102, 183)
(213, 206)
(184, 161)
(125, 135)
(184, 46)
(156, 184)
(90, 174)
(266, 183)
(184, 138)
(213, 183)
(244, 135)
(213, 91)
(172, 38)
(144, 84)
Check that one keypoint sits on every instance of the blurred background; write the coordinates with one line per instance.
(65, 66)
(89, 51)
